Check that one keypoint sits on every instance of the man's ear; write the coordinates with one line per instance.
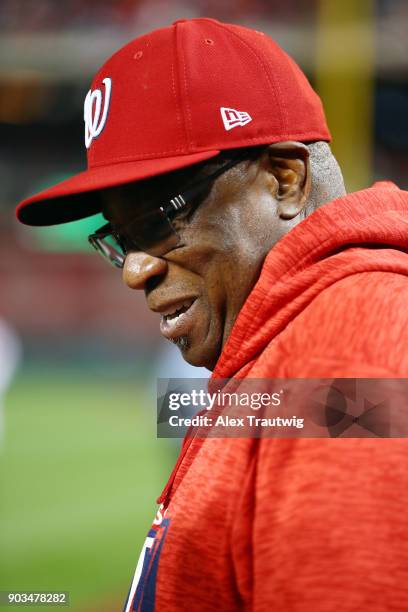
(288, 162)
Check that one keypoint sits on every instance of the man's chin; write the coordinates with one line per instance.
(199, 354)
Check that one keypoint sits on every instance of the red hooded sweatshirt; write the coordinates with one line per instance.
(299, 525)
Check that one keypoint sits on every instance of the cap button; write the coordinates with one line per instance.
(180, 21)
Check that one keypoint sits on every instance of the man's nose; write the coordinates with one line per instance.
(140, 268)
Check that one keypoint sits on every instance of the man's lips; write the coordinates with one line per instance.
(177, 318)
(175, 308)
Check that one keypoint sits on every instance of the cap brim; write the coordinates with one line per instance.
(77, 197)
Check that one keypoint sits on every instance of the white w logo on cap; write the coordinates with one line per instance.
(94, 123)
(233, 118)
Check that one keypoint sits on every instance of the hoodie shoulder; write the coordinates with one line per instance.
(356, 327)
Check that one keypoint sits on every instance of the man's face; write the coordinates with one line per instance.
(200, 286)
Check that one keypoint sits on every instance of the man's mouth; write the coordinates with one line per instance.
(177, 320)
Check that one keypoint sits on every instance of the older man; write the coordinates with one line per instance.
(208, 155)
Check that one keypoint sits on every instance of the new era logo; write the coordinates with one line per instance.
(233, 118)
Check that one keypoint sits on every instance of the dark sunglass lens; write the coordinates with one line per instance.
(109, 248)
(151, 233)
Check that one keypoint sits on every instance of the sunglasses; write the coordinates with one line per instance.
(153, 231)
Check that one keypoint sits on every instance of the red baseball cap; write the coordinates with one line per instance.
(176, 97)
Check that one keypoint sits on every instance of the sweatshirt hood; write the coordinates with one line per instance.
(362, 231)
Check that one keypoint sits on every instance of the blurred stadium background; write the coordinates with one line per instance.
(80, 463)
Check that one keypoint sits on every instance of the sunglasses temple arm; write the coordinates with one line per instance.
(178, 202)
